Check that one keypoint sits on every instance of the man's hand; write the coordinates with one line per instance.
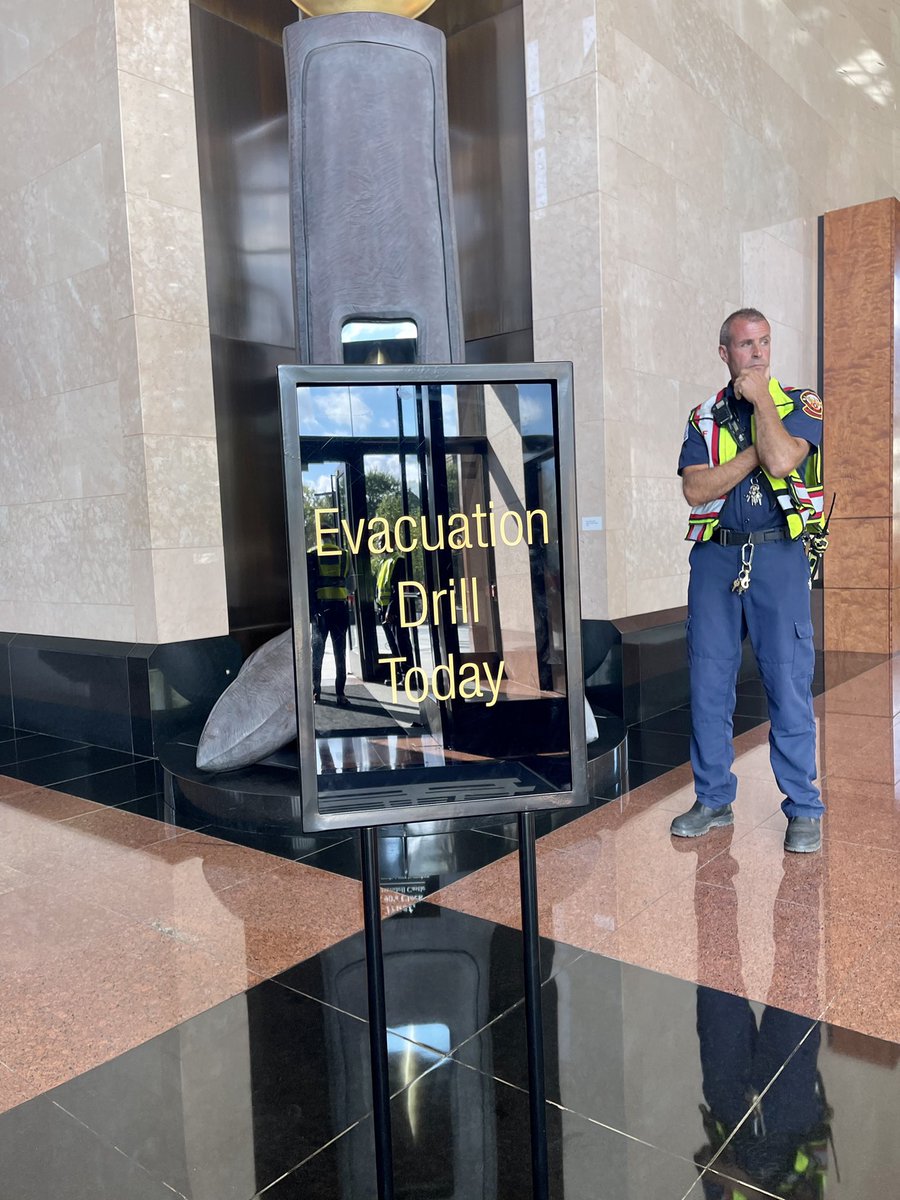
(752, 385)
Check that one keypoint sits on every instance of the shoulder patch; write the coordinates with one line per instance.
(811, 405)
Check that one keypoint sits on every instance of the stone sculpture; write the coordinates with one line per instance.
(257, 714)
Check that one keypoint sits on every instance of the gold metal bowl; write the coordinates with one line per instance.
(399, 8)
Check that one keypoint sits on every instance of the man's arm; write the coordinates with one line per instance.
(779, 452)
(702, 484)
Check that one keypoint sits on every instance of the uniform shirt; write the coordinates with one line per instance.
(737, 511)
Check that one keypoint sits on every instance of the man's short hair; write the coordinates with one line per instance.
(740, 314)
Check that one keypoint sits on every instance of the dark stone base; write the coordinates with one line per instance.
(266, 797)
(126, 696)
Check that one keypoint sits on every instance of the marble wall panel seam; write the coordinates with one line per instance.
(149, 79)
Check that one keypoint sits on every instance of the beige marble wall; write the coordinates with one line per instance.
(109, 511)
(680, 153)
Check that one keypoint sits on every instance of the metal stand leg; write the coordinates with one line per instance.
(381, 1092)
(533, 1026)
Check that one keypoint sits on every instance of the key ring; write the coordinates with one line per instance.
(742, 583)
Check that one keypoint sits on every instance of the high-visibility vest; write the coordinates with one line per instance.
(800, 498)
(384, 581)
(331, 575)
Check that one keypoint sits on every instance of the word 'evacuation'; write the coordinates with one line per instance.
(489, 528)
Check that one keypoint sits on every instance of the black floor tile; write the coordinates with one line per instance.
(545, 822)
(751, 704)
(461, 1135)
(29, 746)
(640, 773)
(675, 720)
(837, 1099)
(417, 864)
(7, 733)
(447, 974)
(836, 1102)
(224, 1104)
(119, 786)
(47, 1155)
(621, 1046)
(678, 720)
(292, 846)
(73, 764)
(156, 809)
(656, 746)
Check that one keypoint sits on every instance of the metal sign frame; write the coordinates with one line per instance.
(559, 376)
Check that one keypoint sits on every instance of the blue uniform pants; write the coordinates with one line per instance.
(774, 612)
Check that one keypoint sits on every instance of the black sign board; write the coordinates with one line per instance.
(434, 582)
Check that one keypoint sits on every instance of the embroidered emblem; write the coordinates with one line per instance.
(811, 405)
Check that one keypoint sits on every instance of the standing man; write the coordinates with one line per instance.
(391, 573)
(750, 469)
(329, 612)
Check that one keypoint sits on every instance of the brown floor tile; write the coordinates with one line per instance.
(874, 761)
(757, 800)
(97, 840)
(284, 917)
(48, 805)
(10, 879)
(867, 814)
(116, 1004)
(752, 761)
(662, 786)
(13, 1089)
(9, 786)
(843, 732)
(112, 827)
(593, 875)
(741, 941)
(869, 694)
(40, 923)
(223, 863)
(29, 844)
(870, 1001)
(841, 878)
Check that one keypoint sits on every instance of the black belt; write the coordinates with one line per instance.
(735, 537)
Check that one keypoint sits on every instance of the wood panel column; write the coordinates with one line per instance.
(862, 426)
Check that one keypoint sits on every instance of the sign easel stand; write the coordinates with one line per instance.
(378, 1032)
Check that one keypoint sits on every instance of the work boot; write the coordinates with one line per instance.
(804, 835)
(700, 819)
(342, 701)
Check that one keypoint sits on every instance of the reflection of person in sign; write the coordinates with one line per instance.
(391, 573)
(330, 617)
(750, 470)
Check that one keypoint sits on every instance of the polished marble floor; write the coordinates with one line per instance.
(184, 1009)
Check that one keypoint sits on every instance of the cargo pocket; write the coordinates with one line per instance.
(804, 657)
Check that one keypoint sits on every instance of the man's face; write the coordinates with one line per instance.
(748, 347)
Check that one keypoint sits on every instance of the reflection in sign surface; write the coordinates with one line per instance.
(431, 522)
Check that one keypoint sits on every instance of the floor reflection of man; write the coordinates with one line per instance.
(782, 1147)
(329, 575)
(392, 571)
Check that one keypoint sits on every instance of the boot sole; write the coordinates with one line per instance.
(803, 849)
(718, 824)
